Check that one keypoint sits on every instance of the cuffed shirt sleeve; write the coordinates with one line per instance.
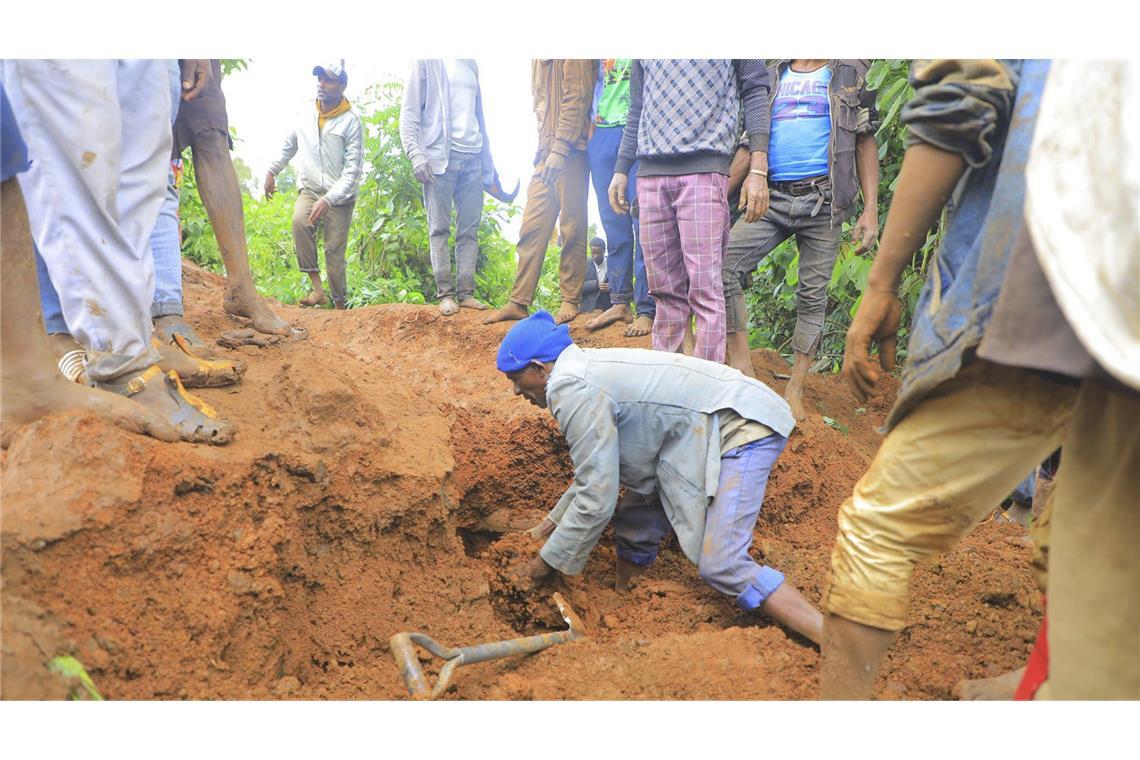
(627, 153)
(288, 150)
(960, 106)
(755, 88)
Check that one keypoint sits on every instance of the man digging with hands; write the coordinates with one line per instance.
(691, 441)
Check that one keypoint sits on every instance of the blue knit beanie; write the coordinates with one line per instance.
(535, 338)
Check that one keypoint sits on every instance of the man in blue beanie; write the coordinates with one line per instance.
(692, 442)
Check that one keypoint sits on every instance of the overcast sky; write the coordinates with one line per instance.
(263, 100)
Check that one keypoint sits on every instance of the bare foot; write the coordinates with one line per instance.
(566, 313)
(616, 313)
(643, 325)
(794, 395)
(195, 371)
(997, 689)
(625, 573)
(252, 307)
(316, 298)
(339, 305)
(471, 303)
(448, 306)
(508, 313)
(27, 399)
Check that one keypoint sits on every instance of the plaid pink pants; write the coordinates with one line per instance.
(684, 228)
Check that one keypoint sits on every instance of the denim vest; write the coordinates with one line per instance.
(962, 285)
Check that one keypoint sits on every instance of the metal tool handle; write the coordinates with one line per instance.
(403, 649)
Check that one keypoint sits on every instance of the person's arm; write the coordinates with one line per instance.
(586, 416)
(627, 153)
(738, 169)
(577, 91)
(752, 75)
(288, 150)
(411, 122)
(866, 229)
(353, 169)
(957, 117)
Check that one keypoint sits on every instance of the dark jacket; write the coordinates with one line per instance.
(853, 113)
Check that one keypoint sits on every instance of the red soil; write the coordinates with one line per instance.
(376, 465)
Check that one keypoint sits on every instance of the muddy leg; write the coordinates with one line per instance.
(849, 658)
(737, 353)
(33, 386)
(794, 393)
(221, 195)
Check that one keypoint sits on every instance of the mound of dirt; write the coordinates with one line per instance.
(378, 477)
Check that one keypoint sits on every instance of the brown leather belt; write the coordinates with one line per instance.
(802, 186)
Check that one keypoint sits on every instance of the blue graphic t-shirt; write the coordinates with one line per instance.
(801, 126)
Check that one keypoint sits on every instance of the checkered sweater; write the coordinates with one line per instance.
(683, 113)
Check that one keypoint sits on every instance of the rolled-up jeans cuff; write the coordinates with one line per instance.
(639, 557)
(766, 582)
(736, 314)
(109, 368)
(624, 299)
(806, 341)
(166, 309)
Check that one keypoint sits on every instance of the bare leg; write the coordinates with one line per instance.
(625, 573)
(794, 393)
(643, 325)
(33, 386)
(510, 312)
(617, 313)
(737, 353)
(997, 689)
(316, 295)
(688, 343)
(850, 654)
(221, 195)
(788, 607)
(566, 313)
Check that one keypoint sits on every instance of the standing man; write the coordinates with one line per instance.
(692, 443)
(445, 137)
(557, 192)
(682, 127)
(821, 152)
(330, 144)
(626, 259)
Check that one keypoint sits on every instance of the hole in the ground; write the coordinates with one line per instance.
(476, 540)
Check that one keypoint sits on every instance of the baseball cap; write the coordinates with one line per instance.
(332, 71)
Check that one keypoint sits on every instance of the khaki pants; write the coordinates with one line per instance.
(1094, 557)
(953, 458)
(336, 223)
(543, 204)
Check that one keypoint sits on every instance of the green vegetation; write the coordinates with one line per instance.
(71, 668)
(388, 258)
(388, 255)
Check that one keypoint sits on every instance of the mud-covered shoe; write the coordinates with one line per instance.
(164, 395)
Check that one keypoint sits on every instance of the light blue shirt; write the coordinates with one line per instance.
(801, 126)
(645, 420)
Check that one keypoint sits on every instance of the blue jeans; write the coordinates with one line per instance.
(640, 524)
(461, 186)
(628, 282)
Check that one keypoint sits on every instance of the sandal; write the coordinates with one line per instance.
(180, 329)
(195, 420)
(296, 332)
(208, 373)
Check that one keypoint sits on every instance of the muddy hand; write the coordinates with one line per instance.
(542, 530)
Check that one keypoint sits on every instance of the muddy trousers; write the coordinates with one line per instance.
(336, 223)
(640, 524)
(563, 204)
(952, 459)
(94, 195)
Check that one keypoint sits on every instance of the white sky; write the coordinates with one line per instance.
(263, 99)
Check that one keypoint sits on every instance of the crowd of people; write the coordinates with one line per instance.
(1025, 340)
